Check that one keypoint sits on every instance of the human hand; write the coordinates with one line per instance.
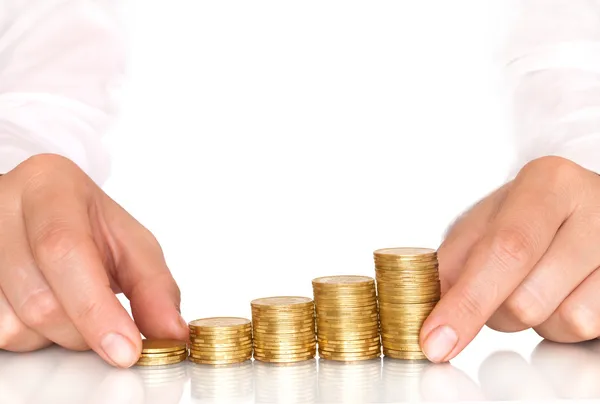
(66, 248)
(525, 256)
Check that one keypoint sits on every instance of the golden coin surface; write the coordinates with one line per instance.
(218, 361)
(163, 355)
(404, 354)
(220, 322)
(342, 280)
(346, 358)
(169, 360)
(405, 252)
(285, 360)
(162, 345)
(282, 301)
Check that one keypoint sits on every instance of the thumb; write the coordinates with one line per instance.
(142, 274)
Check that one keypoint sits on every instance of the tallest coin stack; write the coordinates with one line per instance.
(408, 286)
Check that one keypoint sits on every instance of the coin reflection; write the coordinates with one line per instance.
(289, 383)
(221, 383)
(355, 382)
(401, 379)
(162, 384)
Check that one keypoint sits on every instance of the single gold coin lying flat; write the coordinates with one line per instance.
(161, 360)
(281, 302)
(150, 346)
(220, 322)
(342, 280)
(404, 252)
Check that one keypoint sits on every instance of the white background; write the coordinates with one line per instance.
(268, 143)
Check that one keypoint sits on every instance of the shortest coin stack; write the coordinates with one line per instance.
(220, 340)
(158, 352)
(284, 329)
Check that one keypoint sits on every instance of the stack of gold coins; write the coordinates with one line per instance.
(157, 352)
(408, 286)
(220, 340)
(284, 329)
(347, 318)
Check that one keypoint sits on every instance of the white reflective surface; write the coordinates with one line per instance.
(548, 372)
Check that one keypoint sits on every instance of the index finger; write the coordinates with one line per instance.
(64, 246)
(520, 234)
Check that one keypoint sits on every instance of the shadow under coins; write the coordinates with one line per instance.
(555, 372)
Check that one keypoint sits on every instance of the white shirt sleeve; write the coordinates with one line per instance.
(60, 64)
(554, 75)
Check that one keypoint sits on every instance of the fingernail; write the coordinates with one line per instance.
(439, 343)
(119, 349)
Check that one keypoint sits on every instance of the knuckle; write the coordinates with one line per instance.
(511, 246)
(556, 170)
(55, 244)
(40, 309)
(45, 160)
(527, 308)
(580, 321)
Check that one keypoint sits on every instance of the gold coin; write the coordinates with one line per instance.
(284, 333)
(405, 252)
(300, 355)
(348, 358)
(221, 350)
(404, 354)
(283, 316)
(222, 323)
(284, 360)
(347, 336)
(220, 345)
(367, 341)
(282, 301)
(353, 315)
(221, 357)
(221, 332)
(352, 350)
(220, 341)
(342, 279)
(345, 291)
(402, 346)
(270, 346)
(218, 361)
(275, 351)
(348, 315)
(163, 355)
(169, 360)
(162, 345)
(307, 322)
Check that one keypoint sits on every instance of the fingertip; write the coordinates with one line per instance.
(439, 344)
(120, 350)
